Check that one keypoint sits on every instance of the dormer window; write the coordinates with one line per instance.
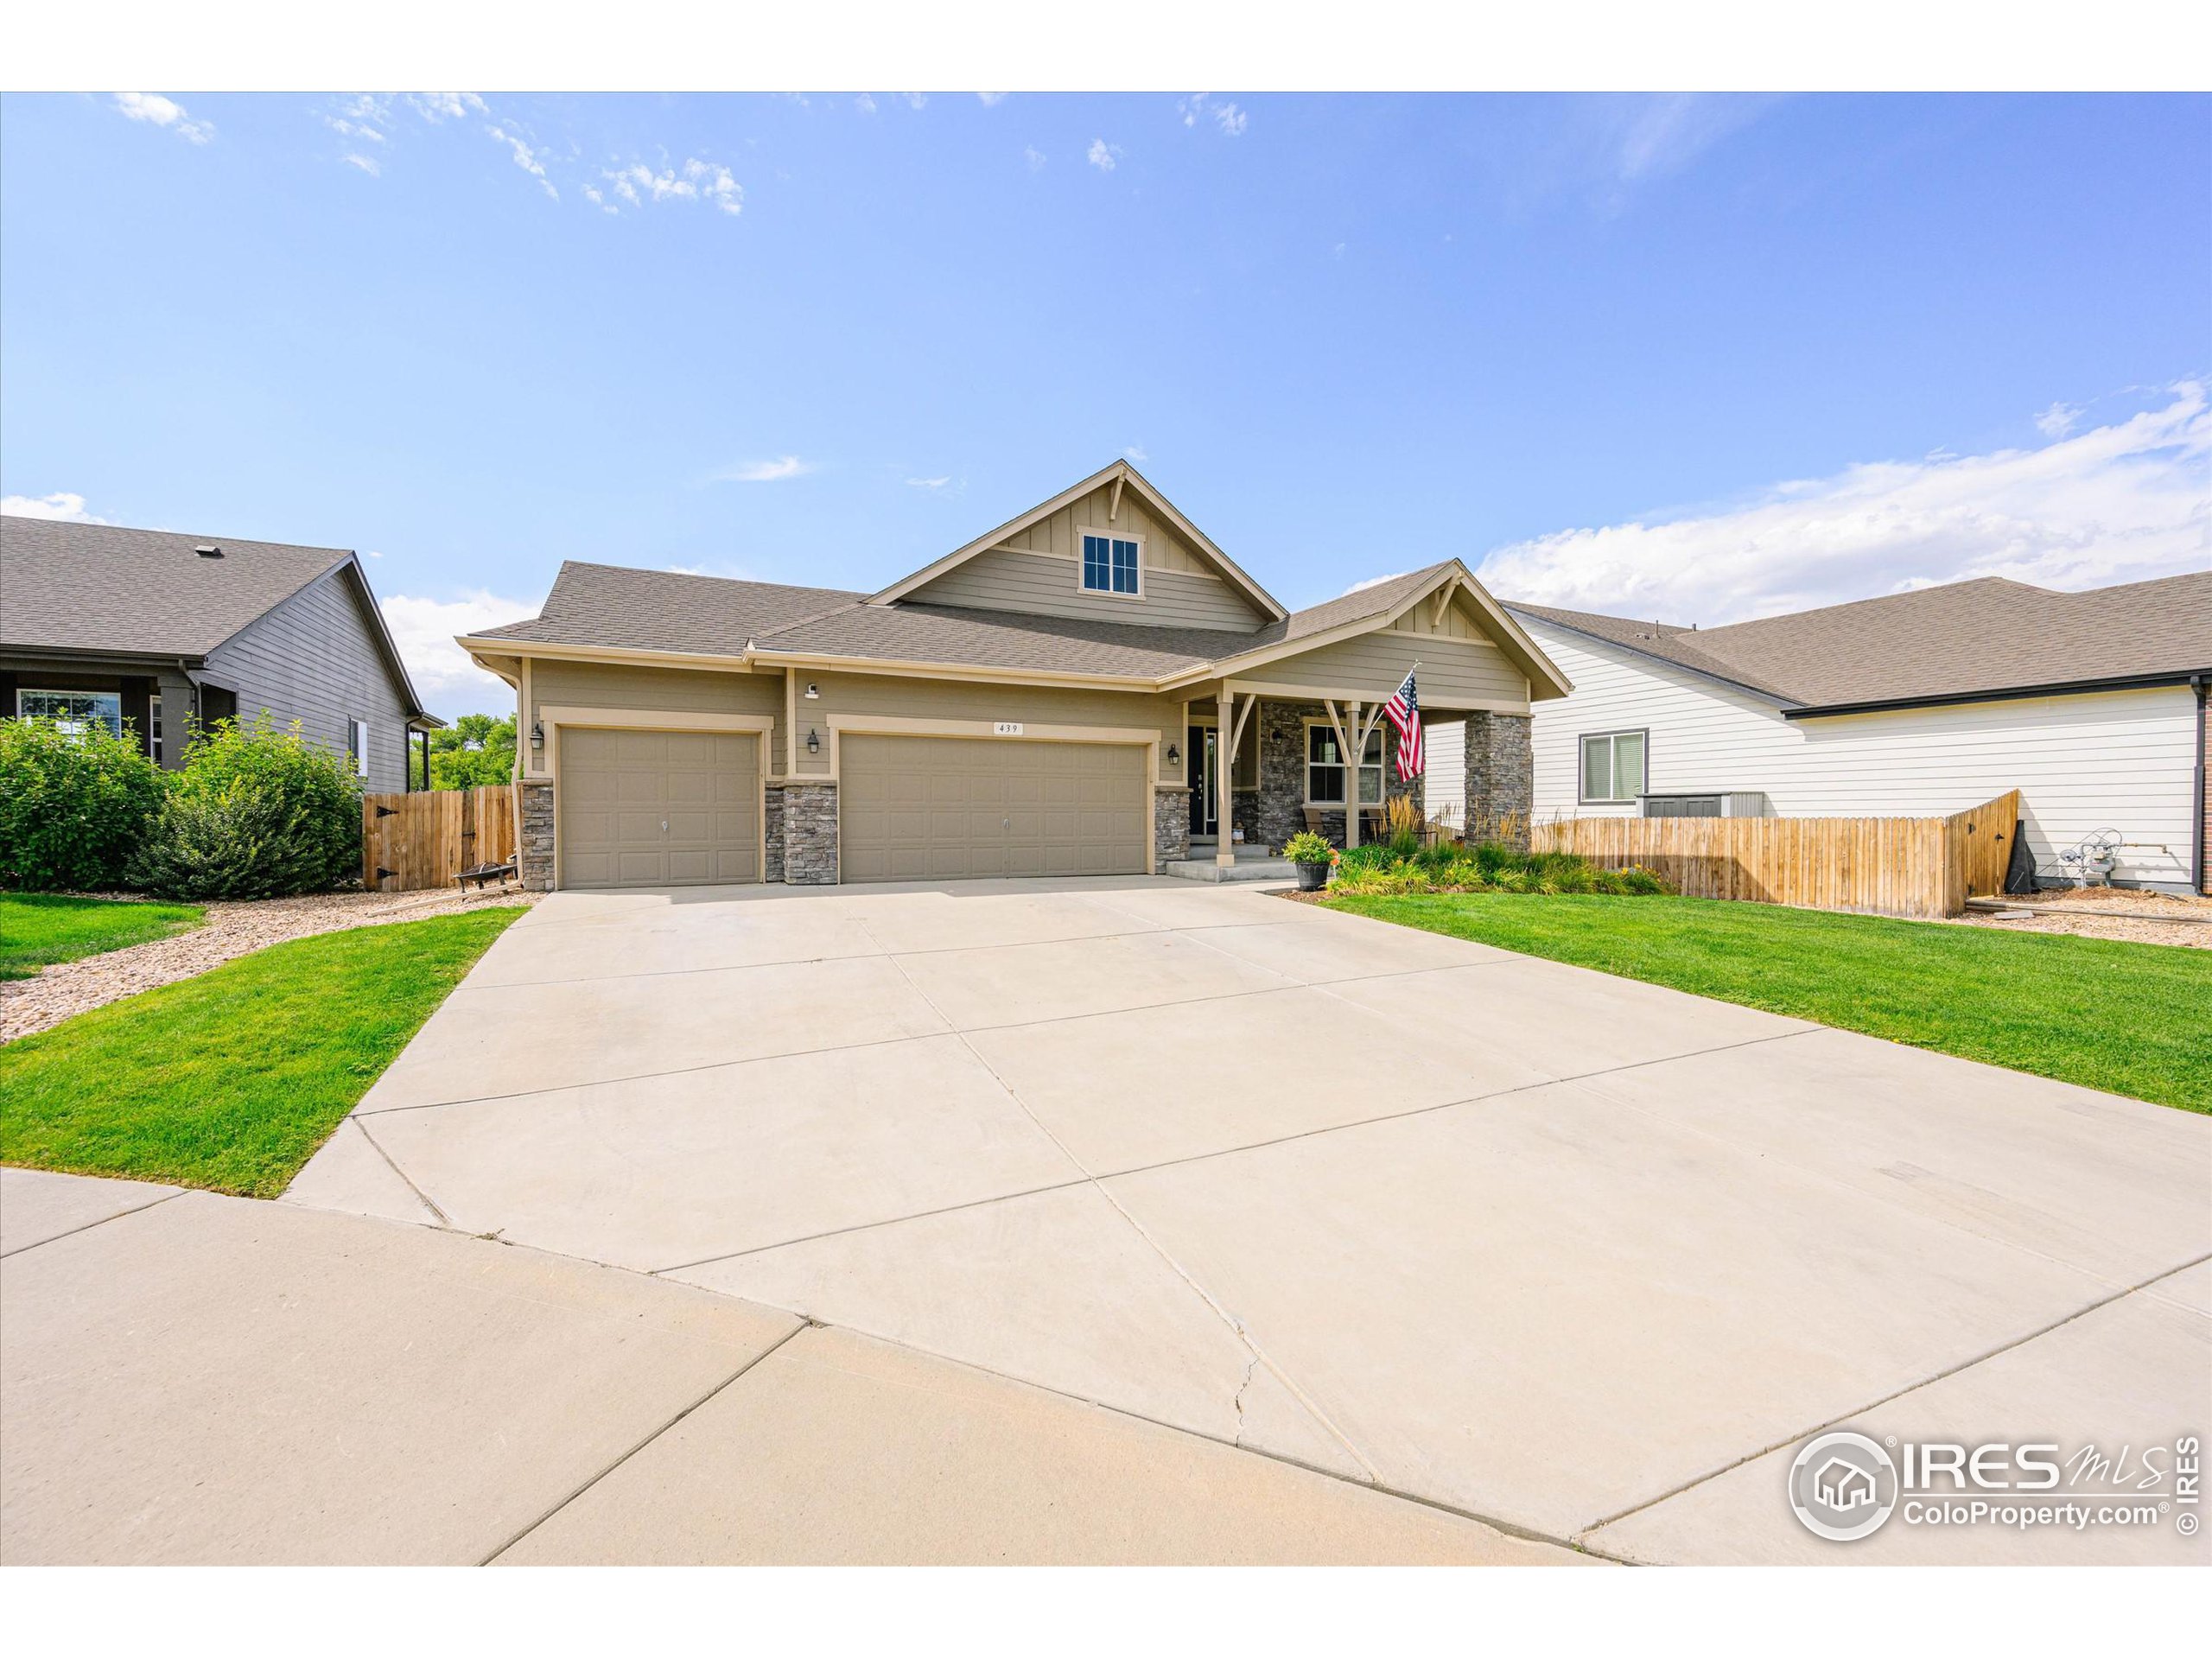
(1111, 564)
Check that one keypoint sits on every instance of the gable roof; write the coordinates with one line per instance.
(1936, 645)
(109, 590)
(1120, 472)
(616, 607)
(102, 588)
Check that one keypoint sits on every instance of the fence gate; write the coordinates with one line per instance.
(426, 838)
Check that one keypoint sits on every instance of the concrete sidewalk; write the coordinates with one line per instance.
(185, 1378)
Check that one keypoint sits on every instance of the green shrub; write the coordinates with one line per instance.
(1307, 847)
(257, 813)
(74, 806)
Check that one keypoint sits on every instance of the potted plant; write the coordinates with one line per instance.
(1312, 854)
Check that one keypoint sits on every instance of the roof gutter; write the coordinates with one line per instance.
(2003, 694)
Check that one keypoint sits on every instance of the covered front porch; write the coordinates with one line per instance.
(1266, 762)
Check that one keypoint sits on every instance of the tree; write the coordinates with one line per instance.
(474, 751)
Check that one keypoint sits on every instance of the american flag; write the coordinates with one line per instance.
(1404, 712)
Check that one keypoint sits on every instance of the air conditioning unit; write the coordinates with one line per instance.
(1707, 803)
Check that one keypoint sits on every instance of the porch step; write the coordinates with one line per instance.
(1246, 868)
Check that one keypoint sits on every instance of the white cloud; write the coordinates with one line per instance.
(1669, 130)
(1231, 120)
(695, 180)
(531, 161)
(991, 100)
(157, 111)
(1373, 581)
(1103, 156)
(1034, 156)
(447, 106)
(762, 472)
(62, 505)
(915, 100)
(2122, 502)
(361, 129)
(2058, 420)
(1135, 452)
(423, 630)
(946, 486)
(864, 104)
(367, 164)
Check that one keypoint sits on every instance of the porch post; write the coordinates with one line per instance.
(1354, 754)
(1224, 764)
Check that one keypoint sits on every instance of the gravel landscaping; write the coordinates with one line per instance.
(2089, 915)
(231, 930)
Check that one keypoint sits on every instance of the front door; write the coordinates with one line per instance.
(1206, 792)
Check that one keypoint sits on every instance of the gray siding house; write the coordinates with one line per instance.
(155, 632)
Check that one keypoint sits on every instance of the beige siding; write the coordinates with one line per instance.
(1181, 588)
(1454, 673)
(850, 695)
(685, 690)
(1049, 584)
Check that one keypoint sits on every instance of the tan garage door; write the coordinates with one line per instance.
(658, 808)
(914, 809)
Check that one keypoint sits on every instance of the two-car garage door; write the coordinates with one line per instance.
(938, 808)
(658, 808)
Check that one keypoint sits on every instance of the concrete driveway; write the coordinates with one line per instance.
(1580, 1256)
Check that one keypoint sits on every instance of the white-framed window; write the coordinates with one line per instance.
(1613, 766)
(1112, 564)
(73, 710)
(154, 725)
(356, 746)
(1324, 767)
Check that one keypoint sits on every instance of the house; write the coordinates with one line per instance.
(152, 633)
(1092, 688)
(2092, 704)
(1844, 1486)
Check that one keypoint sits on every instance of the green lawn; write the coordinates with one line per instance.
(2133, 1018)
(232, 1079)
(38, 928)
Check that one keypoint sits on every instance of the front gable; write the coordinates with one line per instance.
(1035, 564)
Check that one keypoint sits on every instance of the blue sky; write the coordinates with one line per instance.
(1695, 357)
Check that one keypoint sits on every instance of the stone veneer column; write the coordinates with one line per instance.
(772, 815)
(1280, 803)
(809, 825)
(1501, 778)
(534, 858)
(1171, 825)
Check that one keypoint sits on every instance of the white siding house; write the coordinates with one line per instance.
(1911, 705)
(2086, 762)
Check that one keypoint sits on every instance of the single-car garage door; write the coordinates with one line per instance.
(913, 809)
(658, 808)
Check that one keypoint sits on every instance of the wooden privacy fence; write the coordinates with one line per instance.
(1891, 867)
(425, 838)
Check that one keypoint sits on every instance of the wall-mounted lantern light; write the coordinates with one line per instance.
(537, 735)
(1174, 755)
(812, 689)
(813, 742)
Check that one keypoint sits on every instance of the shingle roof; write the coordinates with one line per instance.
(103, 587)
(651, 610)
(664, 610)
(1984, 635)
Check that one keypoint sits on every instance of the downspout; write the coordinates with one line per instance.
(2196, 811)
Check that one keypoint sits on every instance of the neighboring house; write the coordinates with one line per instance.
(151, 632)
(1050, 699)
(2091, 704)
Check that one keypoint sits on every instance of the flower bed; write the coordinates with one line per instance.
(1491, 866)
